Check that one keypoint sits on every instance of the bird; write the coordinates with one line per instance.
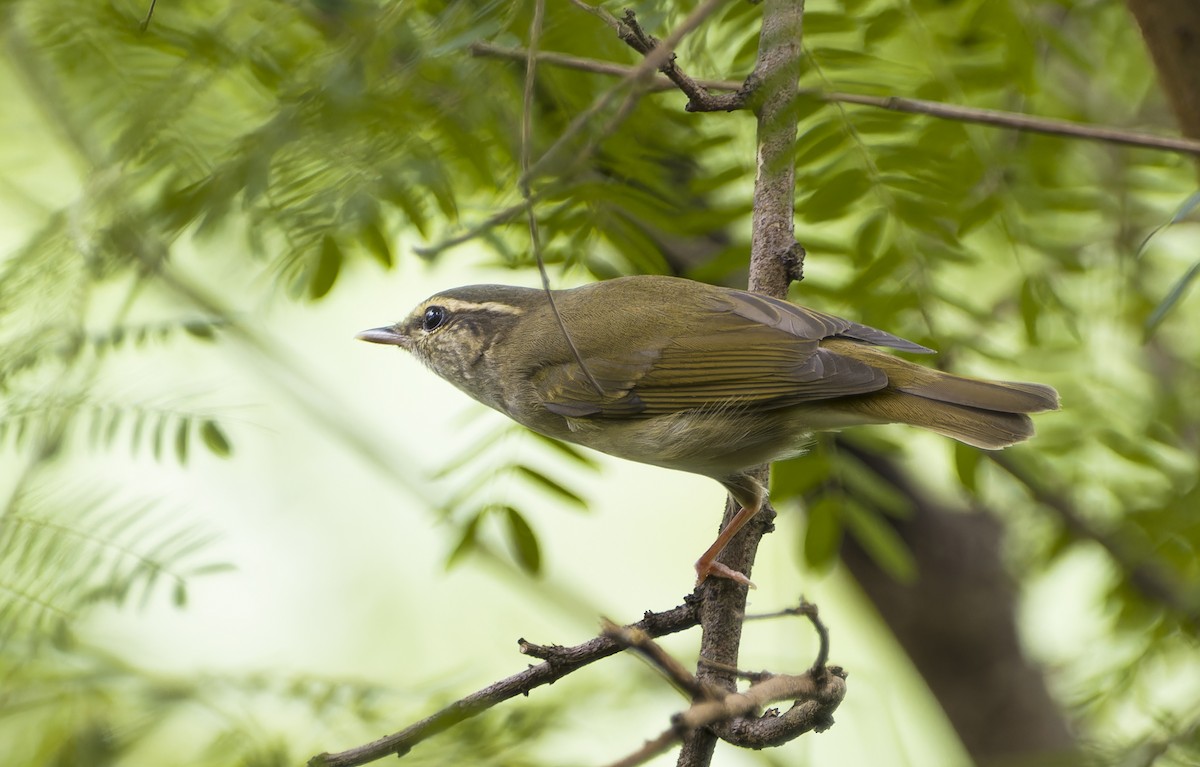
(701, 378)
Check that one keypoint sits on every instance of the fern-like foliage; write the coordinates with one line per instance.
(62, 554)
(479, 471)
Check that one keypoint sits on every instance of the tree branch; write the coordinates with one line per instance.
(815, 695)
(558, 663)
(654, 59)
(992, 117)
(774, 260)
(699, 99)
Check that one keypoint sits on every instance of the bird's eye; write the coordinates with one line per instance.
(435, 317)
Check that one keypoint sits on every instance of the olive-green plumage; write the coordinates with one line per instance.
(695, 377)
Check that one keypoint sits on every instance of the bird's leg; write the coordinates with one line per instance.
(708, 565)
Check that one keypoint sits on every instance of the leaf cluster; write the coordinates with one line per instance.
(476, 472)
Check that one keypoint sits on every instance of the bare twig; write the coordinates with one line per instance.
(733, 715)
(641, 643)
(992, 117)
(599, 12)
(496, 219)
(563, 662)
(149, 14)
(633, 78)
(535, 240)
(699, 97)
(652, 748)
(633, 81)
(631, 32)
(808, 610)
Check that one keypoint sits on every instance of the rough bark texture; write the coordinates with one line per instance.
(777, 74)
(958, 624)
(1171, 29)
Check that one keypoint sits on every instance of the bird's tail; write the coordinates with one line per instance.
(985, 414)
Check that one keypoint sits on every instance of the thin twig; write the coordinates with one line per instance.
(149, 14)
(699, 98)
(652, 748)
(568, 660)
(631, 76)
(808, 610)
(496, 219)
(595, 66)
(632, 80)
(641, 643)
(599, 12)
(535, 34)
(733, 715)
(991, 117)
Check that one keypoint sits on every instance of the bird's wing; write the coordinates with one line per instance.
(745, 350)
(805, 323)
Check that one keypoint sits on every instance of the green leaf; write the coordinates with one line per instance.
(1178, 290)
(1180, 214)
(966, 465)
(199, 329)
(869, 486)
(566, 449)
(880, 541)
(329, 263)
(1030, 307)
(181, 439)
(822, 142)
(215, 440)
(523, 542)
(824, 22)
(869, 238)
(978, 214)
(95, 427)
(110, 431)
(395, 191)
(377, 244)
(822, 534)
(876, 271)
(832, 198)
(798, 476)
(466, 540)
(555, 487)
(156, 441)
(139, 423)
(883, 26)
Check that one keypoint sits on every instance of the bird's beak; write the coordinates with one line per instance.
(389, 335)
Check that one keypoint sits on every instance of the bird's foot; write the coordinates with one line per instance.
(718, 570)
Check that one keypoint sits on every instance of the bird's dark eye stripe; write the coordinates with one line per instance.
(435, 317)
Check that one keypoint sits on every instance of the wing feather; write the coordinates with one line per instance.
(748, 350)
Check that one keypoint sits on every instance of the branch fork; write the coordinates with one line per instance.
(700, 99)
(735, 716)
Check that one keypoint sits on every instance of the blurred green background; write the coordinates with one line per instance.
(230, 534)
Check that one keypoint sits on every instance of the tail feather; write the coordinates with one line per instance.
(1000, 396)
(987, 429)
(985, 414)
